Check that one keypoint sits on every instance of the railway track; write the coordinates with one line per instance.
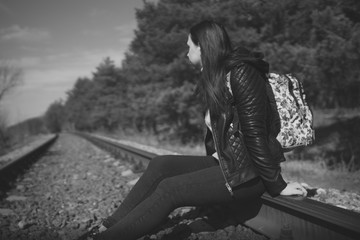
(296, 218)
(10, 169)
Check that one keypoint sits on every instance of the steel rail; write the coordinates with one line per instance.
(11, 169)
(297, 218)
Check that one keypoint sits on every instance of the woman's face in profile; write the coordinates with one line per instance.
(194, 53)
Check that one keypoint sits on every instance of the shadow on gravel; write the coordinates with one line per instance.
(207, 219)
(51, 153)
(31, 233)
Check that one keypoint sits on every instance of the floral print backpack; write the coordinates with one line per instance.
(296, 117)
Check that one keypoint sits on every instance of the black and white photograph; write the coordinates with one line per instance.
(180, 120)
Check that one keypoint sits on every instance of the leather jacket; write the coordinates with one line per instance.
(244, 134)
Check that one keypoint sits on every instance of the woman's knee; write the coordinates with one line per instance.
(176, 192)
(167, 189)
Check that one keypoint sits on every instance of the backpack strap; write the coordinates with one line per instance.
(291, 90)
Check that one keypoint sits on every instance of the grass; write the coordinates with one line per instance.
(318, 174)
(154, 141)
(326, 117)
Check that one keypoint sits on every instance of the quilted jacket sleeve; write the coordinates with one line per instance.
(251, 102)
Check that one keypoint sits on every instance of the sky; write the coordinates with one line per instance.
(56, 42)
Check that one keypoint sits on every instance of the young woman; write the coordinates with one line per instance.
(243, 156)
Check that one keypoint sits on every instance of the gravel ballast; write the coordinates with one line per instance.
(64, 193)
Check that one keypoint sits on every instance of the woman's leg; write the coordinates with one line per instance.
(159, 168)
(202, 187)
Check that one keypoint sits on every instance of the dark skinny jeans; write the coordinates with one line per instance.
(170, 182)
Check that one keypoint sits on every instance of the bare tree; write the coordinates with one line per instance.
(10, 77)
(4, 137)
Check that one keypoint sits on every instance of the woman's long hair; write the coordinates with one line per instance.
(215, 47)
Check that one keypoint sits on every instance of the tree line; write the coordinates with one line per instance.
(153, 88)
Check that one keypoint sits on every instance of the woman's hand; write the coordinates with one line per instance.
(294, 188)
